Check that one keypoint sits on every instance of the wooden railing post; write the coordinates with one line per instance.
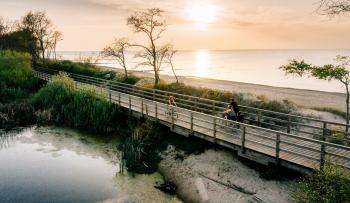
(243, 139)
(191, 123)
(129, 104)
(322, 155)
(289, 125)
(119, 98)
(156, 111)
(195, 104)
(259, 118)
(154, 95)
(278, 141)
(172, 118)
(141, 106)
(110, 95)
(324, 132)
(214, 129)
(213, 108)
(323, 146)
(146, 110)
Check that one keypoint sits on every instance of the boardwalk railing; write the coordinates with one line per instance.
(257, 143)
(289, 123)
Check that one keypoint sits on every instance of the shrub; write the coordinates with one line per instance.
(330, 185)
(15, 68)
(139, 150)
(16, 114)
(81, 108)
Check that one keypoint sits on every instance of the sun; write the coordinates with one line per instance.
(201, 12)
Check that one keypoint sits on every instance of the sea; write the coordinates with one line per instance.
(248, 66)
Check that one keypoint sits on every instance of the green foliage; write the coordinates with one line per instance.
(139, 150)
(15, 68)
(19, 40)
(296, 67)
(338, 138)
(326, 72)
(330, 185)
(15, 114)
(81, 108)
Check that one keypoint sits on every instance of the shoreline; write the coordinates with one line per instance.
(301, 97)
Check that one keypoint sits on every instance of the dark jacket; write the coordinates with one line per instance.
(235, 107)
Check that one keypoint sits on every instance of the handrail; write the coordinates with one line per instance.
(315, 153)
(218, 104)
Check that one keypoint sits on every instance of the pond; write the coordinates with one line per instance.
(51, 164)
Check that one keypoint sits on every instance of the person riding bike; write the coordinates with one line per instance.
(171, 105)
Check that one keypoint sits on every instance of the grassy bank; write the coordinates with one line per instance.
(17, 86)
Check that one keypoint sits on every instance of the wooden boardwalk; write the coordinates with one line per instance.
(258, 144)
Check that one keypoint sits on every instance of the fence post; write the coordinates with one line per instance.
(156, 111)
(129, 103)
(259, 118)
(323, 146)
(214, 130)
(324, 132)
(110, 95)
(146, 110)
(141, 106)
(172, 118)
(289, 125)
(195, 104)
(191, 123)
(278, 141)
(213, 106)
(154, 95)
(119, 98)
(243, 139)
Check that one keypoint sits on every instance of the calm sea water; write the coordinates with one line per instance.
(251, 66)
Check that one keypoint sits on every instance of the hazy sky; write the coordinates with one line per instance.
(194, 24)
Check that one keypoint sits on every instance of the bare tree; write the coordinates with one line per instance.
(334, 7)
(152, 24)
(117, 51)
(169, 59)
(53, 40)
(42, 28)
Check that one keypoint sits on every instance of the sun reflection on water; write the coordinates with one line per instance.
(202, 63)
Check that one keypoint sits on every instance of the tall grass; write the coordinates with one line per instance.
(81, 108)
(88, 69)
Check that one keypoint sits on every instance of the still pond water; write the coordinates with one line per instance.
(50, 164)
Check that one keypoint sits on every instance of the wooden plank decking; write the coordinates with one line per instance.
(253, 142)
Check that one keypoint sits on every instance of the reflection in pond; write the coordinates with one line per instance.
(63, 165)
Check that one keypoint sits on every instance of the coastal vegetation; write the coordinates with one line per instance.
(17, 85)
(34, 33)
(332, 184)
(338, 72)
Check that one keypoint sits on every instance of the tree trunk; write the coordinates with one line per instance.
(126, 73)
(172, 67)
(347, 107)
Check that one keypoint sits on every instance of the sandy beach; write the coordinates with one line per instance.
(301, 97)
